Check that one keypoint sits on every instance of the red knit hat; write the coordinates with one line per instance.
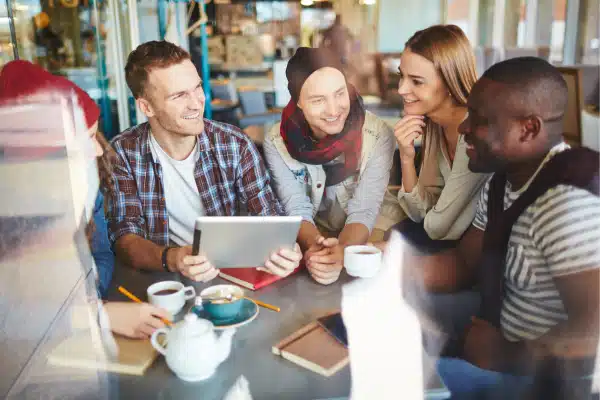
(21, 78)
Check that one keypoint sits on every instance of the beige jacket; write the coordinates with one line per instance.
(445, 197)
(300, 187)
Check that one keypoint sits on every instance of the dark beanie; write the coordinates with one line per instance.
(305, 61)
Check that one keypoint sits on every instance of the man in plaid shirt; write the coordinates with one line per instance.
(179, 166)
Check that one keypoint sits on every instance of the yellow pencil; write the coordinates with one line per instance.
(134, 298)
(265, 305)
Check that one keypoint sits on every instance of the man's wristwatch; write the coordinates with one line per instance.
(164, 258)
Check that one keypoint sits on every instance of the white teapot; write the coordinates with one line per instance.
(193, 351)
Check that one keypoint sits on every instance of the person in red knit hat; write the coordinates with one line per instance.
(23, 82)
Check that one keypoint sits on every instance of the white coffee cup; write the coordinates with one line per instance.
(170, 295)
(362, 261)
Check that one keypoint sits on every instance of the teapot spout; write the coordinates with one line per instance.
(224, 344)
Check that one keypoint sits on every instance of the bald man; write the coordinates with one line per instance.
(534, 246)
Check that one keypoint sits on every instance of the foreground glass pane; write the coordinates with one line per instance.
(47, 278)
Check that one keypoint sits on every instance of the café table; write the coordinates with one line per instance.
(270, 377)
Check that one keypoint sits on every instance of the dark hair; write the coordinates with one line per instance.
(536, 86)
(105, 164)
(148, 56)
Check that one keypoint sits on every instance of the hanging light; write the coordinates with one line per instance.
(306, 3)
(368, 2)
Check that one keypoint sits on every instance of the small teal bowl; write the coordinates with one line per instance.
(222, 311)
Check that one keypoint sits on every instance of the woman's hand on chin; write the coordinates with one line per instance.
(409, 128)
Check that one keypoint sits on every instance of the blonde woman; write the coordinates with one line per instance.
(437, 71)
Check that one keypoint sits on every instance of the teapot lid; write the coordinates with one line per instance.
(190, 317)
(192, 325)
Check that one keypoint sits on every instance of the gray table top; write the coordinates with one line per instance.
(301, 301)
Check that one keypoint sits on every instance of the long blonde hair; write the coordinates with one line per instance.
(447, 47)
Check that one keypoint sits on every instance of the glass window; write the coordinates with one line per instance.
(46, 268)
(79, 39)
(55, 35)
(557, 37)
(266, 12)
(6, 49)
(591, 35)
(485, 22)
(458, 14)
(521, 26)
(63, 37)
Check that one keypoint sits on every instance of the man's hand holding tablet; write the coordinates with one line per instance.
(283, 262)
(197, 268)
(200, 269)
(238, 242)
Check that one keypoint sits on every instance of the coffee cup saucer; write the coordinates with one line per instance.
(247, 314)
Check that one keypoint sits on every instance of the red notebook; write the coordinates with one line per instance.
(250, 278)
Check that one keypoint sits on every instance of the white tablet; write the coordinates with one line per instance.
(237, 242)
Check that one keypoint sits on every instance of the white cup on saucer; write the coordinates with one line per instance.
(170, 295)
(362, 261)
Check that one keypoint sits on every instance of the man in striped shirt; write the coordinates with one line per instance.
(179, 166)
(549, 263)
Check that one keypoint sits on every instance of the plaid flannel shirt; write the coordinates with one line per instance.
(230, 175)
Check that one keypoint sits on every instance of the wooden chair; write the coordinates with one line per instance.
(224, 90)
(255, 110)
(572, 118)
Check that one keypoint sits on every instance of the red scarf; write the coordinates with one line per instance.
(299, 141)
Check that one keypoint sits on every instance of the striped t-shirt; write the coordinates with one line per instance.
(559, 234)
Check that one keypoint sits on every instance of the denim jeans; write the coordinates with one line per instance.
(414, 233)
(450, 312)
(467, 382)
(100, 247)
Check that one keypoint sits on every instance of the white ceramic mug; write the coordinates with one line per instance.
(362, 261)
(170, 295)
